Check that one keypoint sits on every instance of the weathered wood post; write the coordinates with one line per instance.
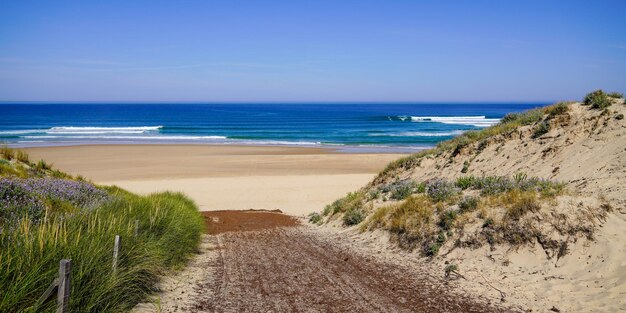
(63, 294)
(116, 252)
(136, 228)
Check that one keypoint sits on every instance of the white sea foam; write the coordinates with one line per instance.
(126, 137)
(211, 139)
(418, 134)
(71, 130)
(478, 121)
(22, 131)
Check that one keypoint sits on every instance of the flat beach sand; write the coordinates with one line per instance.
(296, 180)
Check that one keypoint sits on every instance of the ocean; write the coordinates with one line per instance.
(350, 127)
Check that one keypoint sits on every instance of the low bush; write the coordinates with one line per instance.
(315, 218)
(557, 109)
(541, 129)
(447, 218)
(401, 189)
(465, 182)
(353, 216)
(352, 200)
(30, 198)
(616, 95)
(441, 190)
(468, 204)
(597, 100)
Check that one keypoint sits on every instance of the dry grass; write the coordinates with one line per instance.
(412, 220)
(7, 153)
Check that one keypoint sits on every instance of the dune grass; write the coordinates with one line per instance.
(48, 219)
(427, 220)
(509, 123)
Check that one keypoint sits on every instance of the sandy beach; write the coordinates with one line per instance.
(293, 179)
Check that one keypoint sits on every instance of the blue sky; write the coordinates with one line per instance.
(310, 51)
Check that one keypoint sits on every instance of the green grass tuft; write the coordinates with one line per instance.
(7, 153)
(353, 216)
(30, 249)
(541, 129)
(597, 100)
(315, 218)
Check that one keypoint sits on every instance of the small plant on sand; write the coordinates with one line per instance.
(353, 217)
(557, 109)
(351, 201)
(433, 248)
(441, 190)
(7, 152)
(465, 182)
(315, 218)
(451, 269)
(597, 100)
(520, 203)
(447, 218)
(468, 204)
(400, 190)
(374, 195)
(42, 165)
(541, 129)
(616, 95)
(21, 156)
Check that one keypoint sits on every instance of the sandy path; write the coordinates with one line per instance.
(265, 267)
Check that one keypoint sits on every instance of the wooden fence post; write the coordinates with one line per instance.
(116, 252)
(63, 294)
(136, 228)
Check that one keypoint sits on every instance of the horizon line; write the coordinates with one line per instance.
(281, 102)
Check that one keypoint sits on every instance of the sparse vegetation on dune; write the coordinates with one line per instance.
(600, 100)
(428, 221)
(16, 163)
(540, 119)
(46, 216)
(477, 211)
(472, 211)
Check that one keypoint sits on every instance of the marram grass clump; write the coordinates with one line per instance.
(44, 220)
(428, 218)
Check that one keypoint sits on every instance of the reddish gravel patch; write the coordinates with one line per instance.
(227, 221)
(267, 263)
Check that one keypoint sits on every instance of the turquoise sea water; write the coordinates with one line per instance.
(371, 126)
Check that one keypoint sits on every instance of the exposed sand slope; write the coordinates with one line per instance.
(587, 150)
(295, 180)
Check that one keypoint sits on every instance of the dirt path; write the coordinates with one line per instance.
(266, 262)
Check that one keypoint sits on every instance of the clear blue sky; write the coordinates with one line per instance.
(310, 50)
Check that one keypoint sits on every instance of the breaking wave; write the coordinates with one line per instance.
(478, 121)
